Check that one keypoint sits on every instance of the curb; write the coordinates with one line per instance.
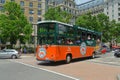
(118, 77)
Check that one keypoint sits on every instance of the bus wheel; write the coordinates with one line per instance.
(93, 56)
(68, 58)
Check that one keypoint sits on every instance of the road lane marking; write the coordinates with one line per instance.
(115, 64)
(46, 70)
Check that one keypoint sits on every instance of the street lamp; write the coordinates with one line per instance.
(35, 35)
(21, 35)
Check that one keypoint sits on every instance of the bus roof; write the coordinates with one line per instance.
(53, 21)
(89, 30)
(82, 28)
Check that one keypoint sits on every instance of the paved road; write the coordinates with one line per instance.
(14, 71)
(107, 58)
(83, 69)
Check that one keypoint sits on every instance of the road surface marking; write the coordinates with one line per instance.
(45, 70)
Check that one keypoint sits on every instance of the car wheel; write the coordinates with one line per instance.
(115, 54)
(13, 56)
(68, 59)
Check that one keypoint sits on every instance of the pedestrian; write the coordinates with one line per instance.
(25, 50)
(110, 46)
(20, 51)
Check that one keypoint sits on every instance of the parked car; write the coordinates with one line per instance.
(9, 53)
(107, 48)
(115, 48)
(117, 52)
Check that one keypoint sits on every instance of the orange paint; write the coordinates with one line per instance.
(59, 52)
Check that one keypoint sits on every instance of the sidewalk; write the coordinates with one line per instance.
(28, 54)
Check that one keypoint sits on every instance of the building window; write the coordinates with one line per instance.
(118, 4)
(118, 9)
(118, 14)
(107, 8)
(31, 11)
(39, 12)
(12, 0)
(30, 4)
(118, 19)
(39, 0)
(1, 8)
(31, 19)
(54, 3)
(65, 3)
(113, 11)
(70, 11)
(23, 10)
(21, 3)
(39, 5)
(2, 1)
(113, 16)
(70, 4)
(112, 6)
(107, 13)
(39, 19)
(64, 9)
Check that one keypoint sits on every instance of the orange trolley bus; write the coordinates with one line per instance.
(59, 41)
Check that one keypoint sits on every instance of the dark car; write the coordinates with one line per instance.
(117, 52)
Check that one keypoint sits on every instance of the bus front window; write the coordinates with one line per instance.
(46, 33)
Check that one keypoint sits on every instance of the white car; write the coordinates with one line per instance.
(9, 53)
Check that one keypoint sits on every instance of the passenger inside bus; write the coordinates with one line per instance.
(59, 41)
(89, 38)
(77, 41)
(69, 41)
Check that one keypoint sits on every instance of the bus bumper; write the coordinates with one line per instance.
(46, 59)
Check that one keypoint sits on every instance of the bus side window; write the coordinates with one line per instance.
(60, 40)
(78, 41)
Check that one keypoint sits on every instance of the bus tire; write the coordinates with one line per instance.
(93, 55)
(68, 58)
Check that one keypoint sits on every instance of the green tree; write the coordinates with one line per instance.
(13, 23)
(103, 26)
(57, 14)
(116, 32)
(85, 20)
(98, 22)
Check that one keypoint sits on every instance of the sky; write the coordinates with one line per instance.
(81, 1)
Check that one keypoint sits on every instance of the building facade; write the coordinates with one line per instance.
(109, 7)
(65, 5)
(112, 9)
(33, 9)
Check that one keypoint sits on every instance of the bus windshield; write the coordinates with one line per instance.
(46, 32)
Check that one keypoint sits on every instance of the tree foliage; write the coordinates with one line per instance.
(100, 23)
(13, 23)
(57, 14)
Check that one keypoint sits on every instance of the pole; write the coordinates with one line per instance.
(35, 37)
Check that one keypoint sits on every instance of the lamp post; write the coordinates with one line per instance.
(21, 35)
(35, 36)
